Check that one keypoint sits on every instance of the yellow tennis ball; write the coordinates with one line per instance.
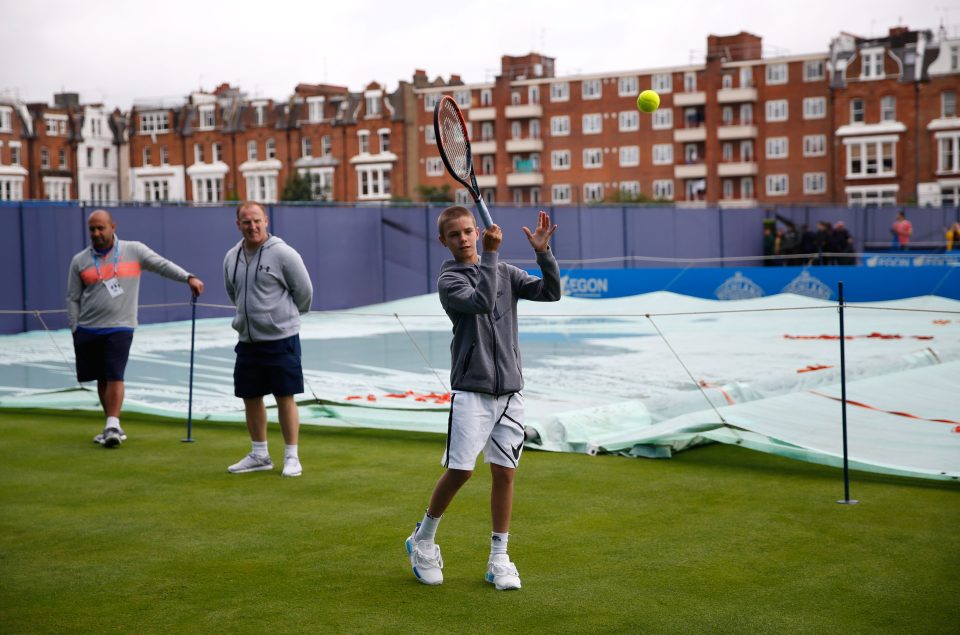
(648, 101)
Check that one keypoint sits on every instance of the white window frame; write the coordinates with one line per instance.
(154, 122)
(777, 73)
(776, 110)
(591, 89)
(690, 82)
(814, 70)
(814, 182)
(315, 106)
(663, 189)
(629, 156)
(777, 148)
(948, 152)
(662, 82)
(662, 154)
(814, 145)
(629, 120)
(630, 188)
(434, 166)
(628, 86)
(663, 119)
(206, 117)
(593, 192)
(814, 107)
(888, 108)
(592, 123)
(374, 181)
(592, 158)
(306, 147)
(252, 150)
(271, 149)
(560, 159)
(778, 185)
(462, 97)
(363, 142)
(559, 91)
(430, 101)
(560, 126)
(560, 194)
(6, 121)
(871, 64)
(878, 144)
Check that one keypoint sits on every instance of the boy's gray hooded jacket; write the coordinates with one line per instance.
(481, 301)
(270, 291)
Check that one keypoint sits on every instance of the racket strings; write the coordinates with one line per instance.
(453, 138)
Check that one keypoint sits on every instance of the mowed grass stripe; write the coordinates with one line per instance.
(157, 537)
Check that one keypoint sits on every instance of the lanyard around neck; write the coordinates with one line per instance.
(116, 253)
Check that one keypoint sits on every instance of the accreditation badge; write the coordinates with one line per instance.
(113, 287)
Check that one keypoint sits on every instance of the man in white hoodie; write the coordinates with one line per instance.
(269, 284)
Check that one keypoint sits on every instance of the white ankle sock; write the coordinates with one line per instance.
(498, 543)
(428, 528)
(290, 452)
(113, 422)
(260, 448)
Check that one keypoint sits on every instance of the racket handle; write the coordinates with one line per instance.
(484, 212)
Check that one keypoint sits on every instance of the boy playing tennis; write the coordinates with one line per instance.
(480, 295)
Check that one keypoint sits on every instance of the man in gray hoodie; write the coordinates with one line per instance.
(269, 284)
(480, 296)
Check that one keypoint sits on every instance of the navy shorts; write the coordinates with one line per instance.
(101, 356)
(268, 368)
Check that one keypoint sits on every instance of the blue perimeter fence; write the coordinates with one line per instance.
(359, 255)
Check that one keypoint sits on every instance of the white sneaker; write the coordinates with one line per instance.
(502, 573)
(425, 559)
(251, 463)
(291, 466)
(112, 437)
(99, 438)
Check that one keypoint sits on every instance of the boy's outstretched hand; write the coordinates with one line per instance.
(540, 239)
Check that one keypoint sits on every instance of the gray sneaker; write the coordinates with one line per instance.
(99, 438)
(251, 463)
(112, 437)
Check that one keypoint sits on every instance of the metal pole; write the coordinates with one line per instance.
(193, 336)
(843, 403)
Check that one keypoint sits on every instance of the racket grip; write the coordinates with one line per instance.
(484, 213)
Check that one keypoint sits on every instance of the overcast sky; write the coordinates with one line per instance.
(118, 52)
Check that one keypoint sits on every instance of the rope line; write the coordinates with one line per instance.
(424, 357)
(531, 315)
(689, 374)
(66, 362)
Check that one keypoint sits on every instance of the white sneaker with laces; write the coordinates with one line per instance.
(99, 438)
(291, 466)
(112, 437)
(251, 463)
(425, 559)
(502, 573)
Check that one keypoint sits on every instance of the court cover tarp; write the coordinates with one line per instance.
(645, 375)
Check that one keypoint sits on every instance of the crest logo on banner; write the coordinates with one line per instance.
(807, 285)
(738, 287)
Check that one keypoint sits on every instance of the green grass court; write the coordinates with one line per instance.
(157, 537)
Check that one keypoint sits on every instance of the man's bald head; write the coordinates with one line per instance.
(102, 229)
(101, 215)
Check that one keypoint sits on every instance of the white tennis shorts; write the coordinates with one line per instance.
(484, 422)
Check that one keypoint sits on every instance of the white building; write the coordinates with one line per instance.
(98, 165)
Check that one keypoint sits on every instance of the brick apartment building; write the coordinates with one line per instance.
(870, 121)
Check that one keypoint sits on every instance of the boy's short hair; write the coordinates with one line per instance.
(452, 212)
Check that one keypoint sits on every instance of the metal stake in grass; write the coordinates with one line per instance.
(843, 404)
(193, 335)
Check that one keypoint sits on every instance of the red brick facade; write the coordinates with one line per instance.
(869, 121)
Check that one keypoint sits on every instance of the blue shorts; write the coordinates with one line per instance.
(101, 356)
(268, 368)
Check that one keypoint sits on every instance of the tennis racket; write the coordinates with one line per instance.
(454, 146)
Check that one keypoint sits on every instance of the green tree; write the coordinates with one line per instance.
(431, 194)
(296, 188)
